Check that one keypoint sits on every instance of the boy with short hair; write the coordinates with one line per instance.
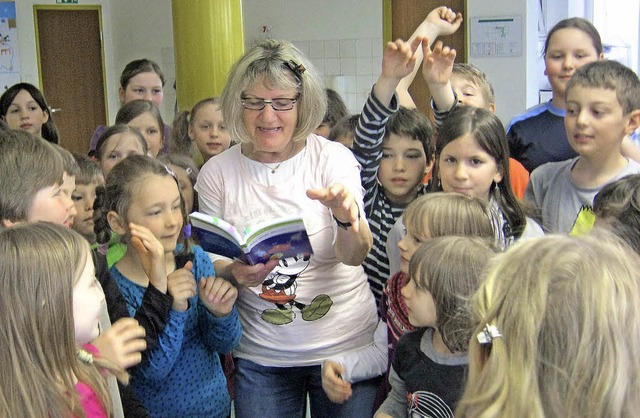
(603, 106)
(88, 179)
(395, 148)
(32, 174)
(395, 145)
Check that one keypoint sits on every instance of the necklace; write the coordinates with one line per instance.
(273, 169)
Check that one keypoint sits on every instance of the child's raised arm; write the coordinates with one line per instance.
(436, 70)
(398, 61)
(441, 21)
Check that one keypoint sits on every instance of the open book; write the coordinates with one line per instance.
(273, 239)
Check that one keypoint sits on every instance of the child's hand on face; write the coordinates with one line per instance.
(218, 295)
(337, 389)
(182, 287)
(437, 64)
(151, 254)
(444, 20)
(122, 343)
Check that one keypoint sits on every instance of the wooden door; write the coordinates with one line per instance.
(71, 67)
(406, 15)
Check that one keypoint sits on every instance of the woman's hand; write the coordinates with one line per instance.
(341, 202)
(151, 254)
(250, 276)
(182, 286)
(218, 295)
(122, 343)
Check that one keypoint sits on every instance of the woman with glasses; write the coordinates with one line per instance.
(295, 312)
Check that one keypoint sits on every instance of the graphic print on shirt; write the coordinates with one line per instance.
(280, 288)
(584, 221)
(423, 404)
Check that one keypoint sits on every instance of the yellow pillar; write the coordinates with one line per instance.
(207, 38)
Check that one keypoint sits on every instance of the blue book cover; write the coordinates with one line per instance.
(273, 239)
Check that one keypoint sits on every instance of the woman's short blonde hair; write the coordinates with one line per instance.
(267, 63)
(568, 310)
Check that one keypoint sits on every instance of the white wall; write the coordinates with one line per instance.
(144, 29)
(510, 76)
(343, 39)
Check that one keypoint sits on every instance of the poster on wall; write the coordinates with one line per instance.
(496, 37)
(9, 56)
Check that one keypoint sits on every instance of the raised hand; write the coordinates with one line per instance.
(122, 343)
(337, 389)
(182, 287)
(218, 295)
(341, 202)
(438, 63)
(151, 254)
(444, 21)
(398, 58)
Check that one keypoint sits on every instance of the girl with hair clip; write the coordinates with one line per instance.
(472, 157)
(142, 199)
(558, 329)
(203, 127)
(140, 79)
(23, 106)
(187, 173)
(144, 116)
(115, 144)
(429, 366)
(50, 303)
(428, 216)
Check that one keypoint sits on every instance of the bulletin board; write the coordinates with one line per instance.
(9, 56)
(495, 37)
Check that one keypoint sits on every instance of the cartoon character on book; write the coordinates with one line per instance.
(280, 286)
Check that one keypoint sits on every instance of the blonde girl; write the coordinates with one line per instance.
(429, 365)
(428, 216)
(472, 158)
(50, 302)
(203, 127)
(558, 327)
(142, 197)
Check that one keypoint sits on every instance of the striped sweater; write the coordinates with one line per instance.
(381, 212)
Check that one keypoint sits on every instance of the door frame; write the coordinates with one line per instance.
(97, 7)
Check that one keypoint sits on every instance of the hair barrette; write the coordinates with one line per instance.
(296, 69)
(85, 356)
(170, 172)
(488, 333)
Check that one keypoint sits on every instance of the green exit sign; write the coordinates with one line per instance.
(67, 1)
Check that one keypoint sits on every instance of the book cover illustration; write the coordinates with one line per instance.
(273, 239)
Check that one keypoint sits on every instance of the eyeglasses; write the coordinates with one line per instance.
(278, 104)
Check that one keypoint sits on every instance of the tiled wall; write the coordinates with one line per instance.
(350, 66)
